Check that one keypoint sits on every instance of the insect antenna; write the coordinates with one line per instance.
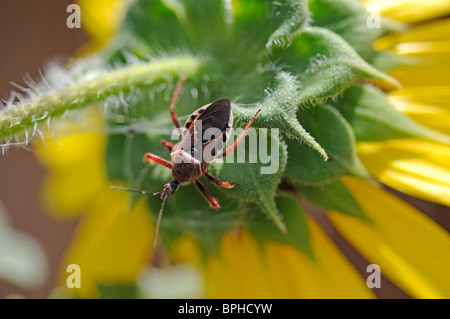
(135, 191)
(158, 222)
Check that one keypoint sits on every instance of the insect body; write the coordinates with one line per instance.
(192, 155)
(196, 150)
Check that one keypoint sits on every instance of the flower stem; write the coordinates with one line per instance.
(17, 118)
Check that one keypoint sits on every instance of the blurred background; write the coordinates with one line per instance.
(31, 34)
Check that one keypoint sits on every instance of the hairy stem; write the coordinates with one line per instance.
(27, 113)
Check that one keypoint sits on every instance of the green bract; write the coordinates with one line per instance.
(301, 62)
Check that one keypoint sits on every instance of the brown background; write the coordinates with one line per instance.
(31, 33)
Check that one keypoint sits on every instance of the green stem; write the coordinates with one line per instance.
(18, 118)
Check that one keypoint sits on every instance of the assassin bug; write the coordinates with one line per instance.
(186, 166)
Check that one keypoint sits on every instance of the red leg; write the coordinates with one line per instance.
(149, 158)
(220, 183)
(174, 100)
(240, 137)
(212, 201)
(167, 145)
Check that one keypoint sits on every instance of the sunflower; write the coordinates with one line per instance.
(366, 132)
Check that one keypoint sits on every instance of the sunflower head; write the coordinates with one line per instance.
(330, 125)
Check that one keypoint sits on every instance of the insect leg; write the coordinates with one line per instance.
(240, 137)
(149, 158)
(167, 145)
(174, 100)
(220, 183)
(212, 201)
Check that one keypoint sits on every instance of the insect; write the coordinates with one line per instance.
(187, 166)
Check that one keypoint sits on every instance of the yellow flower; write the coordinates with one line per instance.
(412, 10)
(101, 18)
(416, 167)
(409, 247)
(112, 245)
(281, 271)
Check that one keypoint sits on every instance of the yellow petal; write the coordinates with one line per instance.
(410, 248)
(412, 10)
(433, 31)
(329, 275)
(239, 271)
(439, 95)
(423, 47)
(76, 172)
(111, 244)
(102, 18)
(67, 194)
(186, 250)
(415, 167)
(436, 117)
(243, 270)
(430, 53)
(76, 150)
(422, 75)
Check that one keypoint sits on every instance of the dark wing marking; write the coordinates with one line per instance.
(216, 115)
(192, 117)
(215, 119)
